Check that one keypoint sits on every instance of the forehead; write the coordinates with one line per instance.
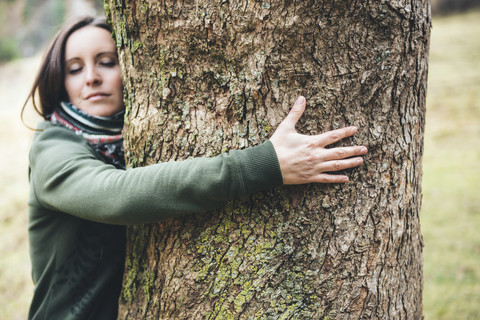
(87, 41)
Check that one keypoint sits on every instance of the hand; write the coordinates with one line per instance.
(304, 159)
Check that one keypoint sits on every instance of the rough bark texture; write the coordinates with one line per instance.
(202, 77)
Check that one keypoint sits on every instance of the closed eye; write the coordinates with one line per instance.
(108, 64)
(74, 70)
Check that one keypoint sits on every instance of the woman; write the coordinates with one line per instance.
(81, 196)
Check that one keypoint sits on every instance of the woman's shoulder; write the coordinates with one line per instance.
(46, 125)
(51, 136)
(48, 130)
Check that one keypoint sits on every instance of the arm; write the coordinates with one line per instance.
(67, 177)
(305, 159)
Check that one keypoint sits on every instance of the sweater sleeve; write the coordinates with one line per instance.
(67, 176)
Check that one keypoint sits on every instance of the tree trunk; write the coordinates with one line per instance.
(202, 77)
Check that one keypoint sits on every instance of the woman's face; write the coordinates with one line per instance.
(92, 74)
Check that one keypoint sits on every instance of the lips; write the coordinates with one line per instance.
(97, 96)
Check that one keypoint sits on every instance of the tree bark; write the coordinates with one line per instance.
(203, 77)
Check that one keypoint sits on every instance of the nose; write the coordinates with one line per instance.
(92, 76)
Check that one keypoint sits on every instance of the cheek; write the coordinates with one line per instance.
(72, 88)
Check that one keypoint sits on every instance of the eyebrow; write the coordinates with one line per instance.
(96, 56)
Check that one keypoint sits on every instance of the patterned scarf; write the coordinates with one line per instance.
(104, 134)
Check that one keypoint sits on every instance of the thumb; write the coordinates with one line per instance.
(295, 113)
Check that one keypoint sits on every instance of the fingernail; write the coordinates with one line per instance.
(353, 130)
(363, 150)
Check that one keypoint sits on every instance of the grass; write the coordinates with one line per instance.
(15, 282)
(451, 181)
(450, 215)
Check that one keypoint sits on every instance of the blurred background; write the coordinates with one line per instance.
(450, 216)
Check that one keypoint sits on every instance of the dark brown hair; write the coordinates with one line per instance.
(50, 80)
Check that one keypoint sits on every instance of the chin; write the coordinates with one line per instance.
(101, 111)
(104, 113)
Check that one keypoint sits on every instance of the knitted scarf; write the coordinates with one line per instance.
(104, 134)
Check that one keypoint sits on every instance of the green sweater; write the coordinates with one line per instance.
(78, 207)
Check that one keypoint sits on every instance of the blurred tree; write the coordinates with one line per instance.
(8, 49)
(8, 44)
(451, 6)
(41, 19)
(202, 77)
(29, 24)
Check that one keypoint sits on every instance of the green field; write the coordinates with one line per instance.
(450, 214)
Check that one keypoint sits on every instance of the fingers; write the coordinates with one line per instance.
(311, 170)
(295, 113)
(330, 178)
(337, 165)
(333, 136)
(343, 152)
